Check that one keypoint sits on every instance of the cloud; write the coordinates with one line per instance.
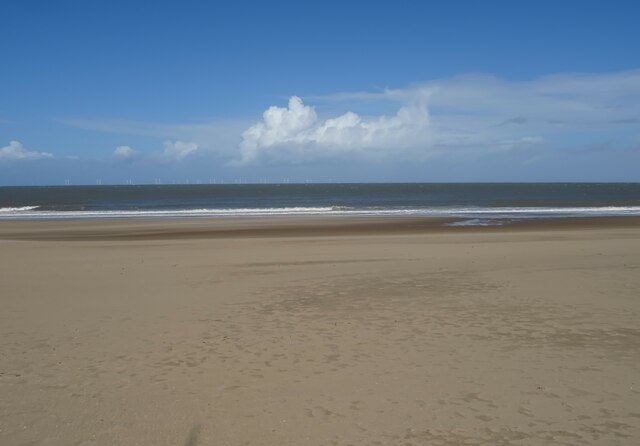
(517, 120)
(179, 150)
(512, 144)
(16, 151)
(476, 114)
(174, 151)
(580, 99)
(216, 138)
(124, 152)
(296, 131)
(459, 118)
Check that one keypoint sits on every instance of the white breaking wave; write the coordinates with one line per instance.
(31, 212)
(604, 210)
(28, 212)
(477, 222)
(19, 209)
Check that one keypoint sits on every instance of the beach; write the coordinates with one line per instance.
(320, 331)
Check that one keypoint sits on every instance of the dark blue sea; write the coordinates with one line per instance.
(476, 203)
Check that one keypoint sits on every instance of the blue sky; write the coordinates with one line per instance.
(324, 91)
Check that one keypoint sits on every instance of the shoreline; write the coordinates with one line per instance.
(283, 226)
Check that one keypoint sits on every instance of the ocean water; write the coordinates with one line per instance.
(476, 204)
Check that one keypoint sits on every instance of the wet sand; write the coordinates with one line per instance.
(319, 332)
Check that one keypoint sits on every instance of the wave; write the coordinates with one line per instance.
(36, 212)
(477, 222)
(30, 212)
(18, 209)
(605, 210)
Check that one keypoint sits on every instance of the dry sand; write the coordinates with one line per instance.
(319, 332)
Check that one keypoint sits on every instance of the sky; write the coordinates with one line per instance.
(112, 92)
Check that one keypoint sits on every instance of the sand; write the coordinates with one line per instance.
(319, 332)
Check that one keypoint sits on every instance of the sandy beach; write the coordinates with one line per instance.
(315, 331)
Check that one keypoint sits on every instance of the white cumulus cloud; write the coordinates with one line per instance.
(124, 152)
(16, 151)
(296, 132)
(179, 150)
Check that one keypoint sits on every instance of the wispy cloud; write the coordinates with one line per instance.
(577, 96)
(16, 151)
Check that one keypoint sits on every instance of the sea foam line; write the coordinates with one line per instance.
(31, 212)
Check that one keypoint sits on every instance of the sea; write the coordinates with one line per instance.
(470, 203)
